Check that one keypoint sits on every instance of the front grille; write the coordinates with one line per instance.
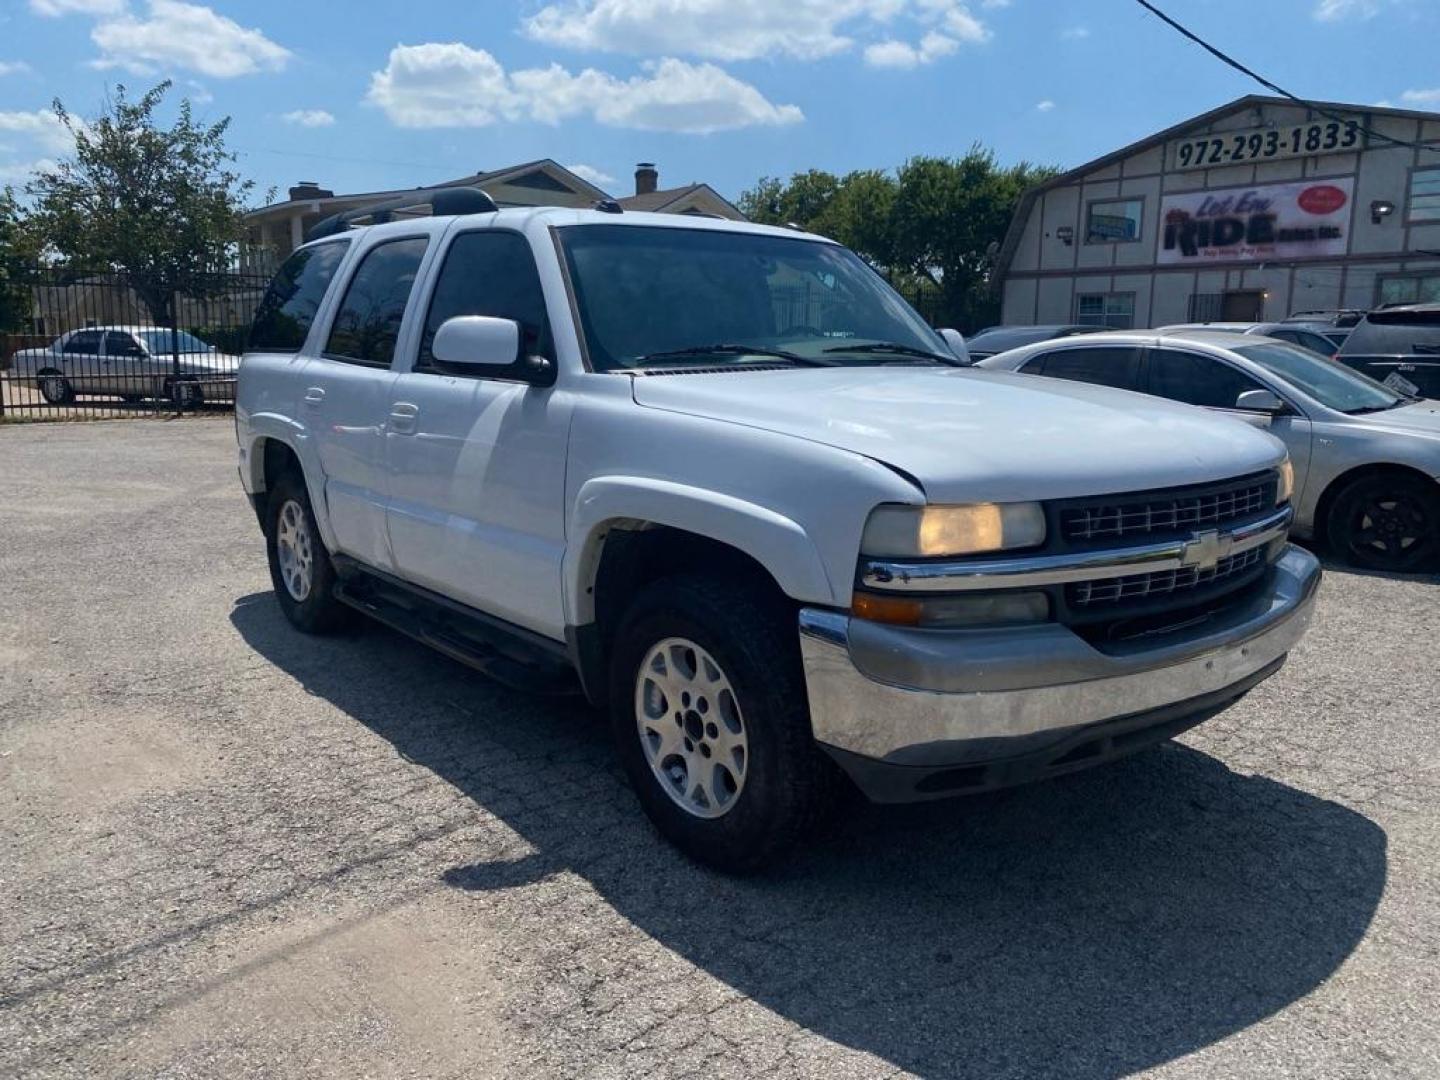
(1177, 510)
(1089, 595)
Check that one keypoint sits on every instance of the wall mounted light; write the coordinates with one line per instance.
(1380, 209)
(1066, 234)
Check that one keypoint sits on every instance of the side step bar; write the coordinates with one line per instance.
(509, 654)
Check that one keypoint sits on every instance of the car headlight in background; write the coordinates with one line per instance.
(1286, 487)
(929, 531)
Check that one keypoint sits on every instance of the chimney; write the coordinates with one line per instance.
(647, 178)
(309, 189)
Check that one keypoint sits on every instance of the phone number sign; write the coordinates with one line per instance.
(1266, 144)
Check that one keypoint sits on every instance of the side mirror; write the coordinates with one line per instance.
(486, 346)
(956, 341)
(1260, 401)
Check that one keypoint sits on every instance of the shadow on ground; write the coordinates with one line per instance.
(1092, 926)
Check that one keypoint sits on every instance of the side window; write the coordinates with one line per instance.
(1197, 380)
(120, 345)
(1118, 367)
(368, 322)
(85, 342)
(283, 318)
(489, 273)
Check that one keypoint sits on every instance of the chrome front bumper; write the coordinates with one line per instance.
(928, 699)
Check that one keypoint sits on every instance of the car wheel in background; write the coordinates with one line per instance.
(55, 388)
(184, 395)
(1387, 522)
(300, 567)
(711, 722)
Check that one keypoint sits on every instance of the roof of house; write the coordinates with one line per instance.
(659, 200)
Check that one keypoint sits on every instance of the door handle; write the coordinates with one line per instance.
(402, 418)
(314, 396)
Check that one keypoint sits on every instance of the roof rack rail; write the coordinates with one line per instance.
(608, 206)
(443, 202)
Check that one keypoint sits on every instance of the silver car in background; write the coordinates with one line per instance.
(1366, 458)
(129, 362)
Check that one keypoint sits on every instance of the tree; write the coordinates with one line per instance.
(933, 223)
(19, 249)
(161, 205)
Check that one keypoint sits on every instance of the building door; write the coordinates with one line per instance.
(1244, 305)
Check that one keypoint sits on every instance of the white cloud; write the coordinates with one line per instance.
(742, 29)
(452, 85)
(19, 172)
(1423, 98)
(13, 67)
(41, 126)
(1075, 33)
(190, 37)
(54, 8)
(1044, 106)
(900, 54)
(309, 118)
(1336, 10)
(596, 176)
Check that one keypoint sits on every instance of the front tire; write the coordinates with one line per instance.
(55, 388)
(711, 722)
(1388, 522)
(300, 568)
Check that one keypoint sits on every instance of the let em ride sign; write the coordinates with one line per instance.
(1306, 219)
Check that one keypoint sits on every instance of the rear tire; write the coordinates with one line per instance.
(300, 568)
(1387, 522)
(55, 388)
(730, 773)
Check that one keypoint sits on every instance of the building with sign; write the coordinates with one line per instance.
(1254, 211)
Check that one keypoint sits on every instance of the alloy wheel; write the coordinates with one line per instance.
(295, 550)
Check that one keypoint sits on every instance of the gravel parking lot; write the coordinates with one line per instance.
(229, 850)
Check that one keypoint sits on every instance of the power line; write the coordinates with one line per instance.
(1238, 66)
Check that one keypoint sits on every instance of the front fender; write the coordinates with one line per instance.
(775, 541)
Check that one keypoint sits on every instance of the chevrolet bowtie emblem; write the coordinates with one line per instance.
(1206, 550)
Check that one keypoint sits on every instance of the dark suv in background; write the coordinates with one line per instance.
(1403, 340)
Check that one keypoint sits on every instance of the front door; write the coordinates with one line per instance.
(477, 509)
(346, 394)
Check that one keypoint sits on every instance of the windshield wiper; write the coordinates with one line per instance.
(733, 350)
(898, 349)
(1360, 410)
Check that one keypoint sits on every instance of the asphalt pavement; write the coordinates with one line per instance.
(229, 850)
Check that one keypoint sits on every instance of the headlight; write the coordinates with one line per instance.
(1286, 486)
(922, 531)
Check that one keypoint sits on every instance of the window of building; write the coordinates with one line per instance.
(1425, 195)
(1410, 288)
(283, 318)
(494, 274)
(1197, 380)
(1115, 310)
(1104, 366)
(1113, 222)
(368, 322)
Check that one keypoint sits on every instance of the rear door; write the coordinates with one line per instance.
(1104, 365)
(1212, 383)
(1405, 344)
(83, 362)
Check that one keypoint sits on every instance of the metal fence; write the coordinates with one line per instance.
(86, 345)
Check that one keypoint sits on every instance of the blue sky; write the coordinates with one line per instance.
(373, 95)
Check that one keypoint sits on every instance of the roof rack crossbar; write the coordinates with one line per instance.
(443, 202)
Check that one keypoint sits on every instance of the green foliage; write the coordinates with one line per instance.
(162, 205)
(19, 249)
(932, 226)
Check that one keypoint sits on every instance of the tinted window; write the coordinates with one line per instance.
(1116, 367)
(1401, 333)
(283, 318)
(369, 318)
(87, 341)
(1197, 380)
(120, 344)
(489, 273)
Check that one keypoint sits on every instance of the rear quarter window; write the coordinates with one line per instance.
(285, 315)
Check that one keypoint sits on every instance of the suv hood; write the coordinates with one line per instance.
(973, 436)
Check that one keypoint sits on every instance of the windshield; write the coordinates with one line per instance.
(160, 341)
(665, 296)
(1328, 382)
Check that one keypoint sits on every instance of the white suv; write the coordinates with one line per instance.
(721, 478)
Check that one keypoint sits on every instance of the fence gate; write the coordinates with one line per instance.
(86, 346)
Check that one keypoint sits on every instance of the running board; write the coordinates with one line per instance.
(508, 654)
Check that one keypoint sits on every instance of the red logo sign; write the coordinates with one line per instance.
(1321, 199)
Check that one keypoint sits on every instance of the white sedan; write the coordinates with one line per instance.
(129, 362)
